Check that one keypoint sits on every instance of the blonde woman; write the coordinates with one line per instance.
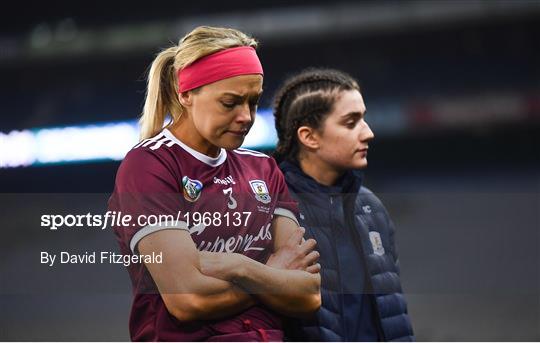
(227, 258)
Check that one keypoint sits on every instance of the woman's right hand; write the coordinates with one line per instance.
(297, 253)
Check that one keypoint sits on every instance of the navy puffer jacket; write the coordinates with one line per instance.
(361, 291)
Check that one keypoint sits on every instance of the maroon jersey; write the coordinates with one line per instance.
(226, 203)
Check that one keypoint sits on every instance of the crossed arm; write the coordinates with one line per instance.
(199, 286)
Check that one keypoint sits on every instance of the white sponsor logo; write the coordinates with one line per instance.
(226, 181)
(237, 243)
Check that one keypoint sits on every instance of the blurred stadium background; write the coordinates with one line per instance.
(453, 95)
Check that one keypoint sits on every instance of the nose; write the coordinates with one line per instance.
(366, 134)
(244, 115)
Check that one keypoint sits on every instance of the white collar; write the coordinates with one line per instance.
(211, 161)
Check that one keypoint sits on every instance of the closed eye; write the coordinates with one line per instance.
(351, 119)
(231, 100)
(229, 105)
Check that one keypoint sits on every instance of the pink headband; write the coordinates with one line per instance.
(218, 66)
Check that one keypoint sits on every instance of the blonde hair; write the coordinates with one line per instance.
(162, 85)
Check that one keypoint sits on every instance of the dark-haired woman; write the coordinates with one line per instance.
(323, 142)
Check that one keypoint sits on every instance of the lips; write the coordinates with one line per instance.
(363, 151)
(238, 133)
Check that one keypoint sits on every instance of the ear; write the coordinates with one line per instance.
(186, 98)
(308, 137)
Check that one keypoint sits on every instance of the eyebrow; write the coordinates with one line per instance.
(241, 96)
(354, 114)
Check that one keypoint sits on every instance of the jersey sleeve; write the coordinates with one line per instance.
(285, 205)
(148, 191)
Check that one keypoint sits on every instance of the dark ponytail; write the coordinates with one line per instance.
(306, 99)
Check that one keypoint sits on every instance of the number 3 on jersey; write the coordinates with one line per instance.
(232, 201)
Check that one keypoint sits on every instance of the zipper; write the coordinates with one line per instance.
(371, 295)
(342, 304)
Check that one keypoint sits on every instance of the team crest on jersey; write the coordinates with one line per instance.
(260, 190)
(376, 243)
(192, 189)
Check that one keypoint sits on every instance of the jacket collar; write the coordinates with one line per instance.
(300, 182)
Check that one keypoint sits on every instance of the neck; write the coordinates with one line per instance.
(319, 170)
(185, 131)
